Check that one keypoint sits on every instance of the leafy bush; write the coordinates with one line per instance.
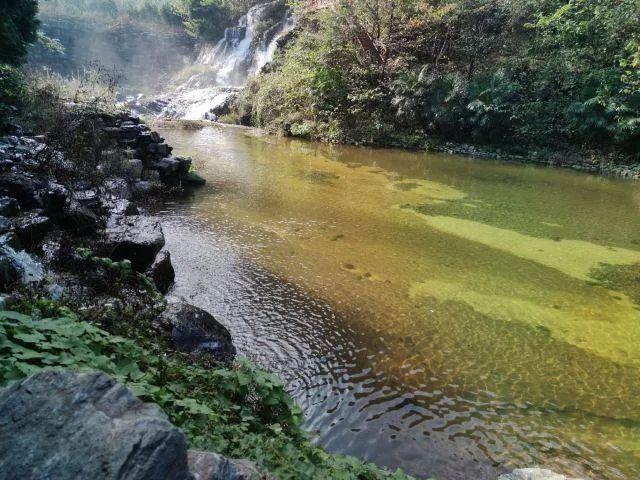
(239, 412)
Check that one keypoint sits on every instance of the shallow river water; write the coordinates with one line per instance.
(452, 317)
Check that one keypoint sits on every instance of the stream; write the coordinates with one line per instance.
(456, 318)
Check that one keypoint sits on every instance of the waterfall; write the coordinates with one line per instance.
(222, 69)
(268, 47)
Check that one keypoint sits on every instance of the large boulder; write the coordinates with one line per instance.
(17, 266)
(162, 272)
(136, 238)
(172, 169)
(213, 466)
(65, 425)
(534, 474)
(195, 331)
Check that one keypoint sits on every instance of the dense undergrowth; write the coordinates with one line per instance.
(555, 74)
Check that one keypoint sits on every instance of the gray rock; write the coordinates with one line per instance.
(172, 169)
(9, 207)
(22, 187)
(65, 425)
(212, 466)
(9, 269)
(129, 130)
(195, 331)
(88, 198)
(135, 238)
(31, 229)
(79, 220)
(56, 248)
(161, 271)
(122, 207)
(533, 474)
(53, 197)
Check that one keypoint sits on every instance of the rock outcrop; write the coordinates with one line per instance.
(66, 425)
(136, 238)
(196, 331)
(161, 272)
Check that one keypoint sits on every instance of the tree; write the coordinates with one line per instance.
(18, 29)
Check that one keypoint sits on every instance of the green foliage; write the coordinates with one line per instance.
(240, 411)
(122, 268)
(555, 74)
(18, 27)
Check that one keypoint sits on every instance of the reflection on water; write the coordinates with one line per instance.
(455, 318)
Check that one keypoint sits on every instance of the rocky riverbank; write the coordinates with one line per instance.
(84, 241)
(572, 161)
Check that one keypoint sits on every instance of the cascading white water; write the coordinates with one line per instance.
(268, 47)
(224, 68)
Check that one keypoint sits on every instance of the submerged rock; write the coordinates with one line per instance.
(212, 466)
(534, 474)
(161, 271)
(66, 425)
(135, 238)
(195, 331)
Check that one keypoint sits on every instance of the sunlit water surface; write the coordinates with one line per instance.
(453, 317)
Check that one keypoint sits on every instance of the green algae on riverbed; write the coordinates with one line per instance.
(505, 291)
